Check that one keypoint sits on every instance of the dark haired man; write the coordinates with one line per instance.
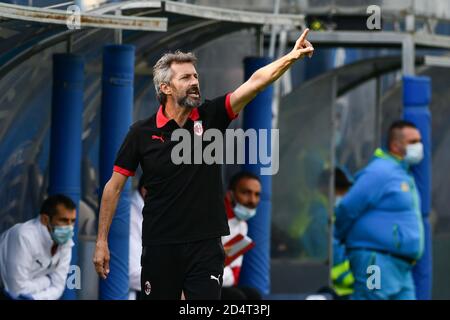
(380, 221)
(35, 255)
(241, 201)
(184, 217)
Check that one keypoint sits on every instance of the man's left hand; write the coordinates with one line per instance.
(302, 47)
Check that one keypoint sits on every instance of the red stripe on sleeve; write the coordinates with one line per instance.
(123, 171)
(230, 112)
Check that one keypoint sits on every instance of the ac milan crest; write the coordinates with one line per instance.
(198, 128)
(147, 288)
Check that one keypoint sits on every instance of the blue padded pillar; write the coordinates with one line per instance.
(116, 118)
(65, 136)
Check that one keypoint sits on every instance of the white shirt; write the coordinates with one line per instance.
(135, 251)
(236, 227)
(26, 264)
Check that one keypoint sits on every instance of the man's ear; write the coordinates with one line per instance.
(165, 88)
(45, 219)
(396, 146)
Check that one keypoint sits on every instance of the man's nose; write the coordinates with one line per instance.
(253, 201)
(194, 82)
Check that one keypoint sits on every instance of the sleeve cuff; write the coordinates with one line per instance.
(230, 112)
(123, 171)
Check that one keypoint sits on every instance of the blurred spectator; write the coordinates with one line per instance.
(380, 220)
(241, 200)
(341, 274)
(315, 237)
(35, 255)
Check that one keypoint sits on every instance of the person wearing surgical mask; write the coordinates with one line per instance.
(35, 255)
(380, 221)
(241, 202)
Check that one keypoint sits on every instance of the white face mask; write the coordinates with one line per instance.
(243, 212)
(61, 234)
(414, 153)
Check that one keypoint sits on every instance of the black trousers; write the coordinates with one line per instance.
(196, 268)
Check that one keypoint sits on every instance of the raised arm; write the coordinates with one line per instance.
(110, 198)
(270, 73)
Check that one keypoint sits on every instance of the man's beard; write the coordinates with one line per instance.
(190, 102)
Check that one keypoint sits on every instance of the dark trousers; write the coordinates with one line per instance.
(196, 268)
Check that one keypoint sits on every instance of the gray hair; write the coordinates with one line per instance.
(162, 73)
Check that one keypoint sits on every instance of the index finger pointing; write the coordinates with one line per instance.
(303, 36)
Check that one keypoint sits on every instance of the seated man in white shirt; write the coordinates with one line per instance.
(135, 251)
(35, 255)
(241, 200)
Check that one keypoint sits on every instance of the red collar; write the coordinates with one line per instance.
(161, 119)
